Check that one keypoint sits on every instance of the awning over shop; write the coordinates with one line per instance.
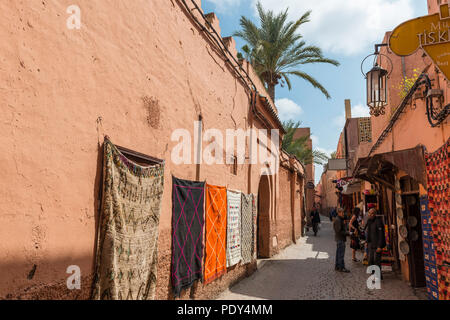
(411, 161)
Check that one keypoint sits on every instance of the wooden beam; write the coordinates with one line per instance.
(384, 182)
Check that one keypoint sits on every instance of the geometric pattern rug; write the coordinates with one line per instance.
(429, 252)
(255, 217)
(187, 236)
(233, 228)
(247, 228)
(438, 183)
(127, 251)
(216, 232)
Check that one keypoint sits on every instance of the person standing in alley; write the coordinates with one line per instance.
(353, 227)
(333, 214)
(365, 218)
(340, 237)
(315, 219)
(376, 240)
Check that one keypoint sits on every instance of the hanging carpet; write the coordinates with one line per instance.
(438, 176)
(247, 228)
(254, 231)
(429, 251)
(234, 228)
(216, 232)
(127, 251)
(187, 237)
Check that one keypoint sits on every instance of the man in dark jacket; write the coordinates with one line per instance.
(376, 239)
(315, 219)
(340, 237)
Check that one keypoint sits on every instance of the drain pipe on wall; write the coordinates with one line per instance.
(198, 146)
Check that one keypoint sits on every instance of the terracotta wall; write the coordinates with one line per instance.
(433, 5)
(298, 198)
(284, 221)
(309, 168)
(136, 71)
(329, 198)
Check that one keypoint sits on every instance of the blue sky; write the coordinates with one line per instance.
(346, 30)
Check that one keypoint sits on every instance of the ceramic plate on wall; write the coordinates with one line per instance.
(414, 236)
(411, 200)
(398, 199)
(412, 221)
(404, 247)
(400, 213)
(403, 230)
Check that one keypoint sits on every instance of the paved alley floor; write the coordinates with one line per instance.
(305, 271)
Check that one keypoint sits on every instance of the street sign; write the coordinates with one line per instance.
(431, 33)
(337, 164)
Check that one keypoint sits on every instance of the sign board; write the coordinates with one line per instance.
(337, 164)
(431, 33)
(310, 185)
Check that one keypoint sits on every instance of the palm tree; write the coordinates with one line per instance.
(299, 147)
(276, 50)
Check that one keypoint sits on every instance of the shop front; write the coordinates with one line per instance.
(397, 177)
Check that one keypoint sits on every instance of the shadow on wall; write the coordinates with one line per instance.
(44, 280)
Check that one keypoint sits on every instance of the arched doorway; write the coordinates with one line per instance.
(263, 245)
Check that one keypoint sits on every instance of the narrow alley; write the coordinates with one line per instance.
(176, 150)
(305, 271)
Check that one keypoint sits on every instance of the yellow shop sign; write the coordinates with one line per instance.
(431, 33)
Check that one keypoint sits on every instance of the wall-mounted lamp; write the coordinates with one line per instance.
(377, 83)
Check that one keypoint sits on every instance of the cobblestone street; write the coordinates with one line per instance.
(305, 271)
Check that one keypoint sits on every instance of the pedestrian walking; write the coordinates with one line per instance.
(315, 220)
(354, 230)
(376, 239)
(340, 237)
(333, 214)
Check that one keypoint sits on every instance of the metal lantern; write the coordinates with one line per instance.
(377, 79)
(377, 90)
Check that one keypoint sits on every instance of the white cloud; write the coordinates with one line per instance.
(288, 109)
(315, 140)
(345, 26)
(358, 111)
(328, 152)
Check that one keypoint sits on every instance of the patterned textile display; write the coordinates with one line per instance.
(247, 228)
(438, 176)
(187, 237)
(255, 221)
(216, 232)
(429, 252)
(233, 228)
(127, 246)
